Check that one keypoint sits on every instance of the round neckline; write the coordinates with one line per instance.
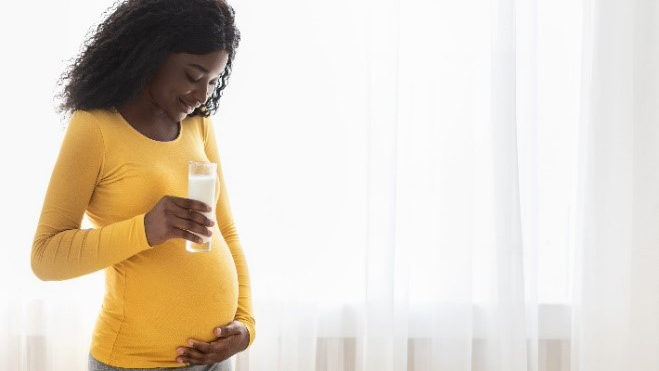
(137, 132)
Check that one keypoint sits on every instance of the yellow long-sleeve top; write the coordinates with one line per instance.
(156, 297)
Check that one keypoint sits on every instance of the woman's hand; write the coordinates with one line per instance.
(176, 217)
(231, 339)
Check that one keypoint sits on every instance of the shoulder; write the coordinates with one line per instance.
(206, 124)
(95, 118)
(204, 121)
(87, 127)
(82, 121)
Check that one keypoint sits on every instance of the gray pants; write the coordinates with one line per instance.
(226, 365)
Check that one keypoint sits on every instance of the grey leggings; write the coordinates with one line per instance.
(226, 365)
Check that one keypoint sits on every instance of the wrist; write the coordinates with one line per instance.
(244, 337)
(146, 230)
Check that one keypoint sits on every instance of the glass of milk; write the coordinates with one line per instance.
(201, 186)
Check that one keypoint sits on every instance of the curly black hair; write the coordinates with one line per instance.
(133, 42)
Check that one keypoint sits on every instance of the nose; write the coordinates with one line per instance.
(201, 94)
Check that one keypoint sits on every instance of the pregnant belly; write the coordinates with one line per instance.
(158, 299)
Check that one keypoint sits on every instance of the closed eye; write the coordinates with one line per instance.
(190, 78)
(193, 80)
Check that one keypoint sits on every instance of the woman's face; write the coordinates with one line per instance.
(186, 81)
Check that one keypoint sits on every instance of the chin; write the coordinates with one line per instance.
(178, 114)
(176, 117)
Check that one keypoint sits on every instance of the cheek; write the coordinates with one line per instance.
(167, 95)
(165, 98)
(155, 90)
(164, 88)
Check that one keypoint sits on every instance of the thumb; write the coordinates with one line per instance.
(228, 330)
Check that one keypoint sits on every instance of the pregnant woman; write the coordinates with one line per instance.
(140, 97)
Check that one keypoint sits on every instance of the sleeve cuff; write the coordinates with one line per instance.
(141, 232)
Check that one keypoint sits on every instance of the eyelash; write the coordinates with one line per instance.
(192, 80)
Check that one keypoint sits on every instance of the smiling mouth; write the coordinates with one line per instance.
(186, 108)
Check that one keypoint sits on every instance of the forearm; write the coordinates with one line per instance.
(76, 252)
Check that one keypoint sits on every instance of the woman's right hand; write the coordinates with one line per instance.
(177, 217)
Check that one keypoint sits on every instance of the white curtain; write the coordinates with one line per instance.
(616, 304)
(418, 185)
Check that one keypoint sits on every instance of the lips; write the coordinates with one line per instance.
(187, 108)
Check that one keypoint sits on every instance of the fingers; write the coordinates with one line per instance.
(201, 346)
(190, 219)
(232, 328)
(180, 233)
(195, 216)
(178, 217)
(191, 226)
(193, 356)
(201, 353)
(188, 203)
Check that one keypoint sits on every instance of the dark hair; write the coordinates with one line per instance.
(132, 43)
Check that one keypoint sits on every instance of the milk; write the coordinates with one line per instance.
(202, 188)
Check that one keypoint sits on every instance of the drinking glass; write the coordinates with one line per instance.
(201, 186)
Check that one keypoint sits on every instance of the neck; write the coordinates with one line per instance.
(145, 112)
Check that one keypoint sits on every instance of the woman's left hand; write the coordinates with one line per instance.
(231, 339)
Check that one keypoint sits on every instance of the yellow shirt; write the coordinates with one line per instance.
(156, 298)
